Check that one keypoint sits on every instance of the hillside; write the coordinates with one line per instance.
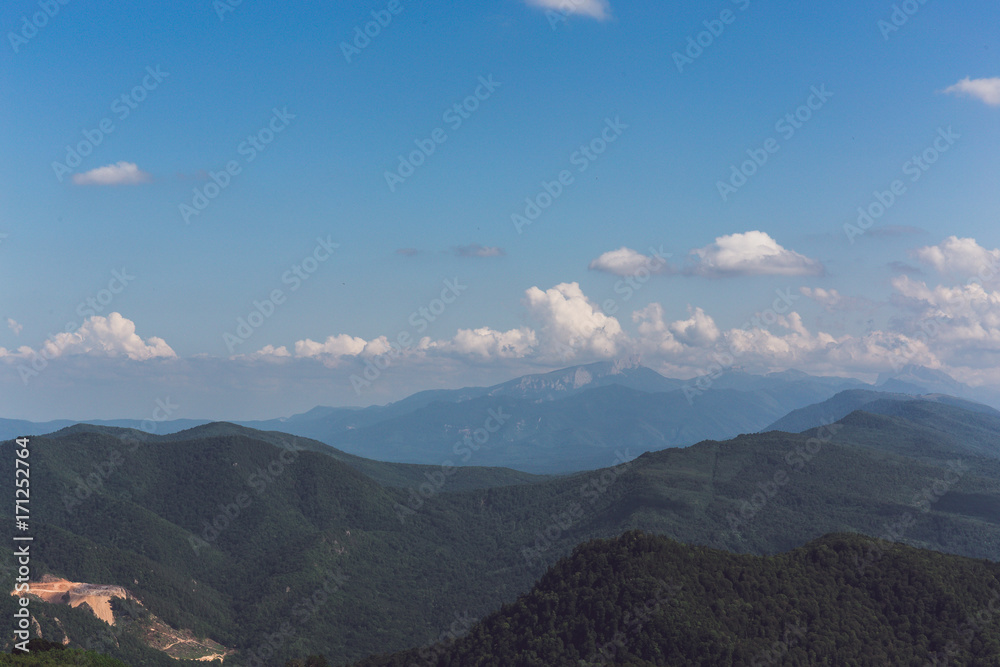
(362, 567)
(644, 600)
(882, 402)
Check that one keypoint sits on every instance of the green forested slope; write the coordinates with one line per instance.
(643, 600)
(357, 567)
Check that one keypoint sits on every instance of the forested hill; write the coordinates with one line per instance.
(644, 600)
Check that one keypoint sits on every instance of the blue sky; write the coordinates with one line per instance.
(200, 78)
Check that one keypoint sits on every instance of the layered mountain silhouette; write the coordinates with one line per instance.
(568, 420)
(221, 529)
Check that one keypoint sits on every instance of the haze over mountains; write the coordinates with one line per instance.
(402, 551)
(432, 512)
(576, 418)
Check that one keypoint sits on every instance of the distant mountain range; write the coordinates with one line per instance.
(220, 529)
(572, 419)
(848, 401)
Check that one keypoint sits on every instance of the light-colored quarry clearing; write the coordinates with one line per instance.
(60, 591)
(180, 644)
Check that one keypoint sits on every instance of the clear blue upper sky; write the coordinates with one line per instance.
(199, 78)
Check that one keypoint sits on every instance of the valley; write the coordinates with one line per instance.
(411, 547)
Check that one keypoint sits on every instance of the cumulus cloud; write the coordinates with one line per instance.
(752, 253)
(985, 90)
(490, 344)
(571, 323)
(628, 262)
(597, 9)
(699, 329)
(476, 250)
(655, 335)
(111, 336)
(340, 345)
(961, 257)
(965, 315)
(790, 345)
(267, 353)
(14, 326)
(121, 173)
(484, 342)
(938, 327)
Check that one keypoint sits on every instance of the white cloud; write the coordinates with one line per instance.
(488, 343)
(571, 323)
(628, 262)
(962, 257)
(341, 345)
(597, 9)
(111, 336)
(966, 316)
(267, 353)
(695, 345)
(121, 173)
(751, 253)
(698, 330)
(830, 299)
(13, 325)
(476, 250)
(654, 333)
(985, 90)
(964, 322)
